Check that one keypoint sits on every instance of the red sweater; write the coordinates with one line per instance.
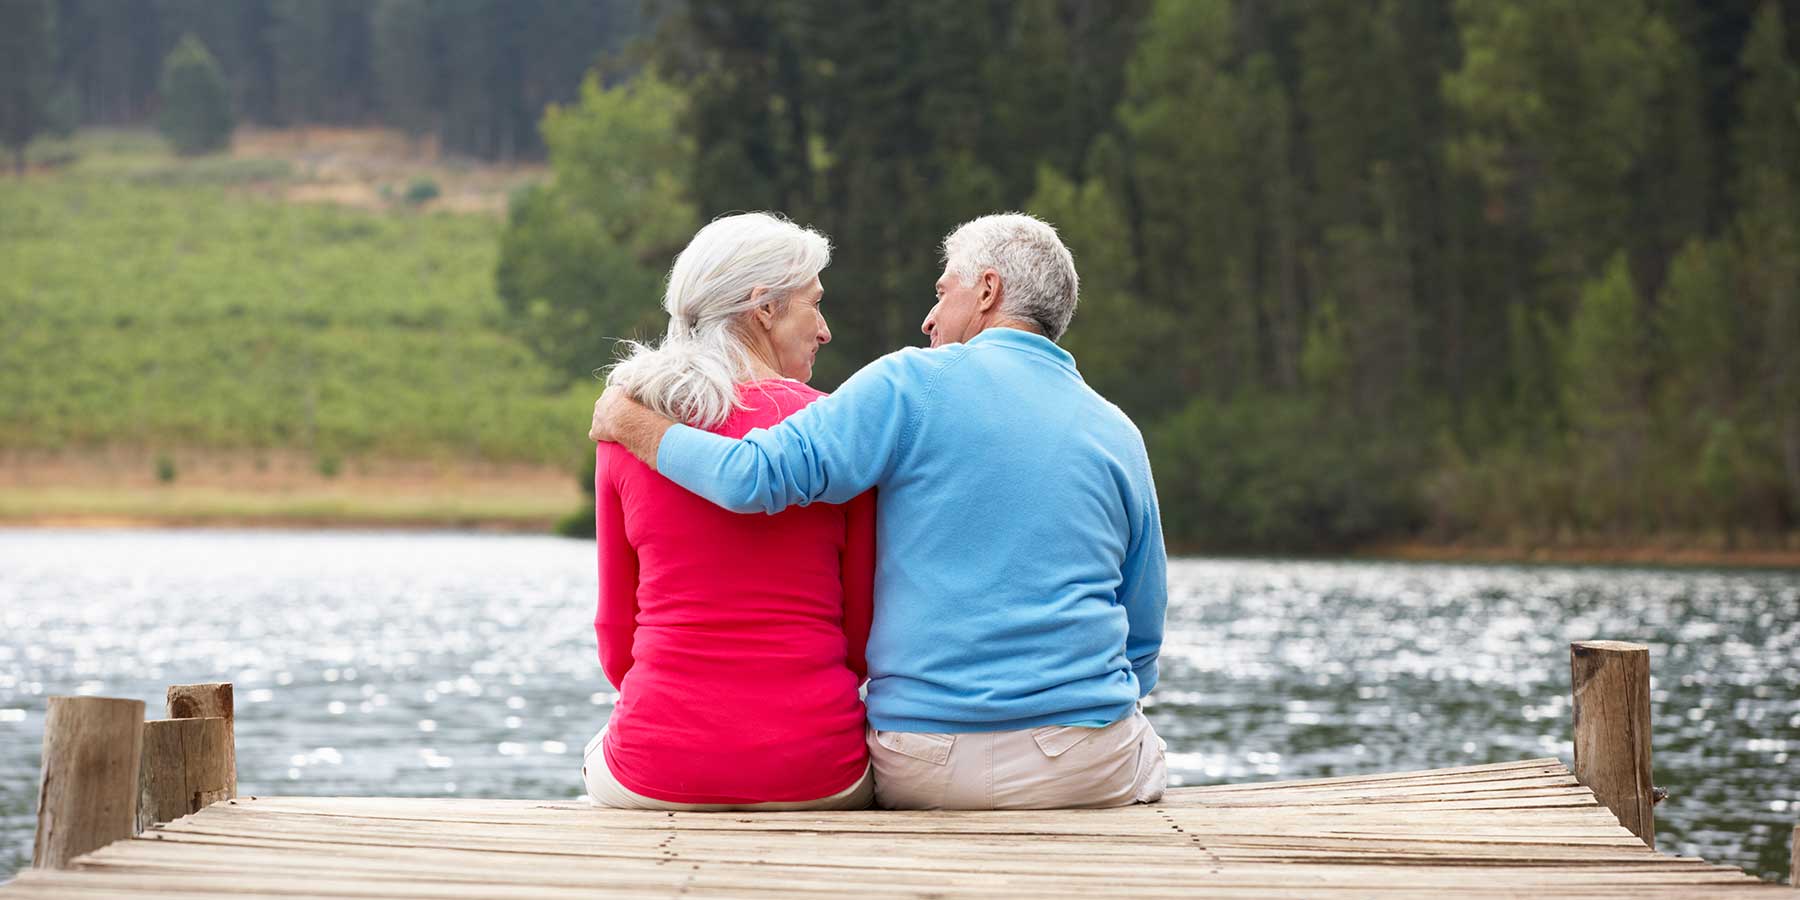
(736, 641)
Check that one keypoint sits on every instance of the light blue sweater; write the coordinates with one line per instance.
(1020, 573)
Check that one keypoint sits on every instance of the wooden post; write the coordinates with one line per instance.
(1794, 860)
(183, 768)
(198, 701)
(1611, 681)
(89, 795)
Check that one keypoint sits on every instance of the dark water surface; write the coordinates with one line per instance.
(463, 665)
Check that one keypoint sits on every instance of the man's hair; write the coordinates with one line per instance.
(1036, 270)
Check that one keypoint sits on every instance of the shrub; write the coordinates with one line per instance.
(421, 191)
(196, 103)
(165, 469)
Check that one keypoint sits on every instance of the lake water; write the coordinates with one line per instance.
(463, 665)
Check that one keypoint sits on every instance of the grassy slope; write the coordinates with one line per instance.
(145, 303)
(142, 313)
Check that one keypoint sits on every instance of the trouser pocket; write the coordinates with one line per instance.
(911, 768)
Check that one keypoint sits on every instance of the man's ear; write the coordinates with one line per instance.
(991, 290)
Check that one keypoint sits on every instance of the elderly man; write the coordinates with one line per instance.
(1020, 582)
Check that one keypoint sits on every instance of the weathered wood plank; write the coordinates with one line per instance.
(1508, 830)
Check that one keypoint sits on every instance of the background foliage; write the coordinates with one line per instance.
(1498, 270)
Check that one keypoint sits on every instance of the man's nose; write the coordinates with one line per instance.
(927, 325)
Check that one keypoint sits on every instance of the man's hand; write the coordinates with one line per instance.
(624, 421)
(606, 415)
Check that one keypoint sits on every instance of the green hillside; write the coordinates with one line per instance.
(151, 302)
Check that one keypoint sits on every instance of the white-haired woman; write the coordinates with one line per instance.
(736, 642)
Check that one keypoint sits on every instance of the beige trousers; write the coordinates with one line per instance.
(1052, 767)
(605, 790)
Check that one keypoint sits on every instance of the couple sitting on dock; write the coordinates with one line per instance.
(969, 527)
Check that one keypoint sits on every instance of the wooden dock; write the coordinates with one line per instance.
(1517, 829)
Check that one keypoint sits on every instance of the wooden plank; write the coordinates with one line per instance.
(1499, 771)
(1509, 830)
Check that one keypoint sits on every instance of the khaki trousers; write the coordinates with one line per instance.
(605, 790)
(1052, 767)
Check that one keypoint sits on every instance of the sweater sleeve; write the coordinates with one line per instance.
(615, 621)
(858, 566)
(1144, 589)
(830, 451)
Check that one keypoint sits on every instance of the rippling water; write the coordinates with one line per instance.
(463, 665)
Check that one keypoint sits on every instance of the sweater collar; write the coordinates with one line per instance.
(1035, 344)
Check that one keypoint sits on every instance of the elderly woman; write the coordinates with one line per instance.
(736, 641)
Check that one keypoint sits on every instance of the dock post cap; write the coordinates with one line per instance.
(96, 702)
(1611, 646)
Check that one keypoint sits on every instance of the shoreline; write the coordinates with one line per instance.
(541, 521)
(1653, 552)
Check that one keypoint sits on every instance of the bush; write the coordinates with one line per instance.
(421, 191)
(1271, 473)
(580, 523)
(165, 469)
(196, 102)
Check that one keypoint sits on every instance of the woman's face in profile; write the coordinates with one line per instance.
(796, 333)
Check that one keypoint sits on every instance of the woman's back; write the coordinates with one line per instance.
(736, 641)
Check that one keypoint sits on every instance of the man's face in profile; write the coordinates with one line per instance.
(953, 319)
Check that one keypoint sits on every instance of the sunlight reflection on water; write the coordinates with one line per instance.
(455, 664)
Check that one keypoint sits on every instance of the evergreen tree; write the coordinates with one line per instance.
(1582, 120)
(196, 114)
(1207, 199)
(1768, 227)
(1608, 369)
(404, 75)
(26, 72)
(582, 259)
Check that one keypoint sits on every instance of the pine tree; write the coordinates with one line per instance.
(1768, 226)
(1582, 120)
(404, 75)
(26, 69)
(582, 259)
(196, 115)
(1608, 367)
(1214, 205)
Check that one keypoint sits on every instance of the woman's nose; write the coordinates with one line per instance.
(824, 331)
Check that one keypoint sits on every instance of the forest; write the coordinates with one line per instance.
(1523, 272)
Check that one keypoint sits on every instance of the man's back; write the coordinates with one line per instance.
(1020, 562)
(1004, 533)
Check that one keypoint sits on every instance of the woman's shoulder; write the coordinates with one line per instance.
(763, 403)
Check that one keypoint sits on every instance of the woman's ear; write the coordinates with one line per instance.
(764, 312)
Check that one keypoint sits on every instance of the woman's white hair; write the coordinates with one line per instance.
(1037, 273)
(692, 374)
